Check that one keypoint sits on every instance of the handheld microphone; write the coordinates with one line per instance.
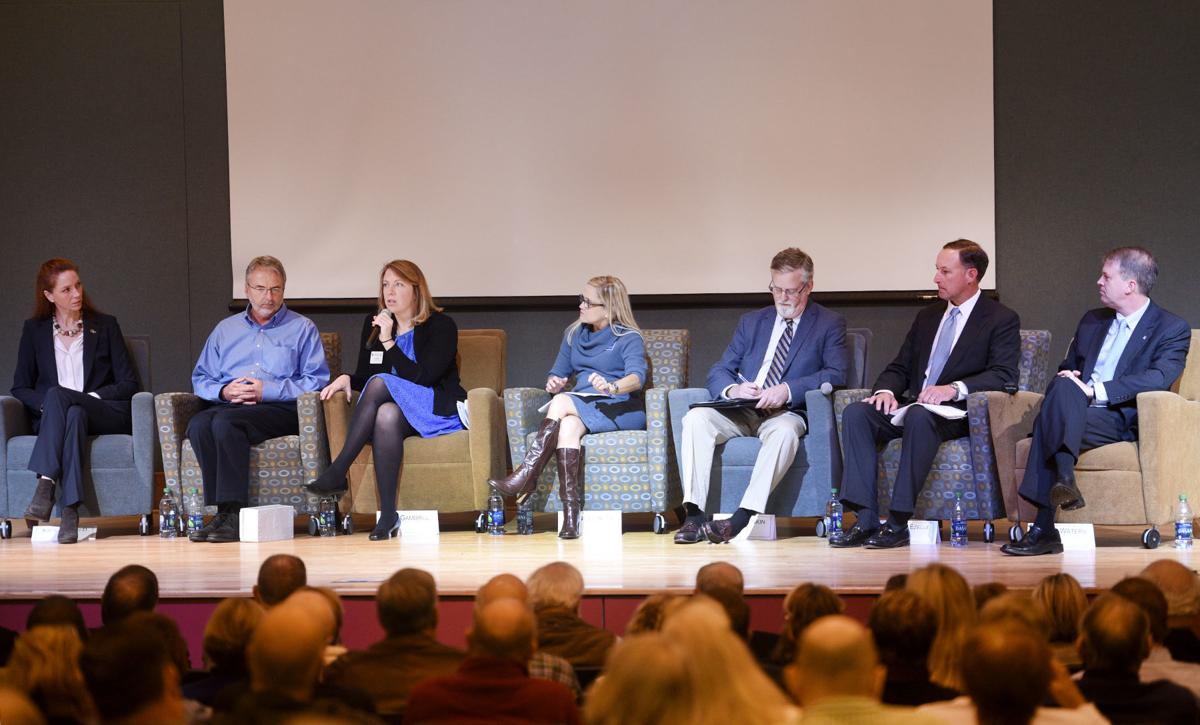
(375, 328)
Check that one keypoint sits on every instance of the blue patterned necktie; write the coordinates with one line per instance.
(781, 351)
(941, 351)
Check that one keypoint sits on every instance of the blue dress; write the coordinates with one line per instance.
(416, 401)
(613, 356)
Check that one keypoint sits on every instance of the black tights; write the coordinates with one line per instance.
(379, 421)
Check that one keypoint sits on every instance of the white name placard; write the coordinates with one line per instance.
(1077, 537)
(49, 534)
(924, 533)
(417, 524)
(760, 528)
(597, 524)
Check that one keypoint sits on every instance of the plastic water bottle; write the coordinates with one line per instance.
(495, 514)
(833, 516)
(958, 523)
(327, 516)
(1183, 523)
(525, 519)
(195, 518)
(168, 516)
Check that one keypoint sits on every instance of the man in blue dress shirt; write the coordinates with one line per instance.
(1129, 346)
(253, 367)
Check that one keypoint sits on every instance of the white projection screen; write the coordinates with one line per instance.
(518, 147)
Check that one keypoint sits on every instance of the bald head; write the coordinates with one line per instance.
(719, 575)
(316, 607)
(1114, 635)
(285, 653)
(836, 658)
(1179, 584)
(278, 577)
(501, 586)
(504, 628)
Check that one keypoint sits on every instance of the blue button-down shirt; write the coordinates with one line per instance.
(1119, 332)
(285, 353)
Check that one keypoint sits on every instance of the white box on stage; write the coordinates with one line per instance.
(266, 523)
(597, 524)
(419, 524)
(924, 533)
(760, 528)
(49, 534)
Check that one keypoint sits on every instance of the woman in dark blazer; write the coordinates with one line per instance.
(408, 375)
(75, 379)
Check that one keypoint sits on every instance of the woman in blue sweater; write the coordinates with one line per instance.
(604, 351)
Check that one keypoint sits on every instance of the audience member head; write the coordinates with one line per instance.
(801, 607)
(286, 651)
(1014, 697)
(57, 609)
(719, 575)
(501, 586)
(555, 585)
(1020, 609)
(1180, 585)
(728, 684)
(1114, 635)
(17, 709)
(983, 593)
(334, 602)
(130, 675)
(133, 588)
(505, 629)
(407, 603)
(279, 576)
(57, 285)
(896, 581)
(639, 671)
(903, 626)
(949, 595)
(836, 658)
(1150, 598)
(45, 667)
(1064, 601)
(228, 633)
(652, 612)
(736, 609)
(316, 605)
(168, 633)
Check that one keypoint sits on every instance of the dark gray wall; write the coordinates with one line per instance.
(113, 152)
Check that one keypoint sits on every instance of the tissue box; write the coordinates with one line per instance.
(266, 523)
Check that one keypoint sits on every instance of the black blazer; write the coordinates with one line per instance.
(435, 343)
(985, 357)
(107, 369)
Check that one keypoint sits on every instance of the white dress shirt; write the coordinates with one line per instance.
(68, 358)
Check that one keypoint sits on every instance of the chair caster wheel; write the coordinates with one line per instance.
(314, 527)
(660, 524)
(347, 527)
(989, 532)
(1015, 533)
(6, 529)
(822, 529)
(1151, 538)
(481, 523)
(144, 527)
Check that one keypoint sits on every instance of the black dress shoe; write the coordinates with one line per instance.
(856, 536)
(888, 538)
(1065, 494)
(689, 533)
(226, 532)
(326, 485)
(717, 532)
(202, 533)
(1037, 541)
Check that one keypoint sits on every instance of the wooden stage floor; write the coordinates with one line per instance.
(635, 564)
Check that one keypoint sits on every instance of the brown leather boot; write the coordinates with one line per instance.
(42, 505)
(68, 528)
(570, 490)
(523, 481)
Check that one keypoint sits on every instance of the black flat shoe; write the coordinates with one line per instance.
(327, 488)
(856, 536)
(1037, 541)
(387, 527)
(888, 538)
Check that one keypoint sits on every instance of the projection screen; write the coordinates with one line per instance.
(518, 147)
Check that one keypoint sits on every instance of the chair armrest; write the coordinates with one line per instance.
(843, 398)
(1167, 425)
(14, 419)
(144, 442)
(659, 451)
(487, 440)
(173, 411)
(679, 401)
(983, 458)
(1010, 419)
(314, 442)
(822, 446)
(337, 422)
(521, 417)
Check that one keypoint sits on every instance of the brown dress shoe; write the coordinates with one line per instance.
(717, 532)
(523, 481)
(689, 533)
(42, 505)
(68, 528)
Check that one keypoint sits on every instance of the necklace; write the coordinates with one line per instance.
(78, 328)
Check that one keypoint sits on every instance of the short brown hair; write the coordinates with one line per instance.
(1136, 263)
(1016, 696)
(904, 627)
(266, 261)
(412, 274)
(407, 602)
(792, 258)
(970, 255)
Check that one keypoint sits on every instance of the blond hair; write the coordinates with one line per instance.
(412, 274)
(228, 632)
(615, 299)
(947, 592)
(45, 666)
(640, 671)
(266, 261)
(1063, 599)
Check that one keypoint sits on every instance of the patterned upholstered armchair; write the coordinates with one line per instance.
(963, 465)
(817, 468)
(279, 467)
(631, 470)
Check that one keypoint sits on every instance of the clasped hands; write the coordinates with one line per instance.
(555, 384)
(885, 402)
(775, 396)
(244, 391)
(1077, 377)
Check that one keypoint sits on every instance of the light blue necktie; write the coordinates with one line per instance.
(941, 351)
(1110, 352)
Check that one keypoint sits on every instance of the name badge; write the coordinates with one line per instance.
(377, 357)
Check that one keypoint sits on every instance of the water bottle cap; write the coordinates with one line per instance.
(1183, 497)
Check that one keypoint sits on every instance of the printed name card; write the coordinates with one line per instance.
(49, 534)
(417, 524)
(924, 533)
(760, 528)
(1077, 537)
(597, 524)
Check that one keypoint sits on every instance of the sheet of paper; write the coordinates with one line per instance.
(948, 412)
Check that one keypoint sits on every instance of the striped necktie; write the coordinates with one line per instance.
(781, 353)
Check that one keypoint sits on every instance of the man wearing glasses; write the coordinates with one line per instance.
(251, 370)
(777, 354)
(964, 345)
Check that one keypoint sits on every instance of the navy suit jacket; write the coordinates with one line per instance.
(1152, 360)
(817, 354)
(107, 370)
(984, 358)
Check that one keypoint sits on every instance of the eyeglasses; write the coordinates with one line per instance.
(259, 289)
(588, 304)
(787, 292)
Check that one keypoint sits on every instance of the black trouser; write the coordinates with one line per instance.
(1066, 423)
(68, 418)
(865, 429)
(221, 437)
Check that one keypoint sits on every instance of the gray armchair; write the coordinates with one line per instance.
(120, 466)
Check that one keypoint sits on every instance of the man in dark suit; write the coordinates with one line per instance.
(968, 344)
(777, 354)
(1129, 346)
